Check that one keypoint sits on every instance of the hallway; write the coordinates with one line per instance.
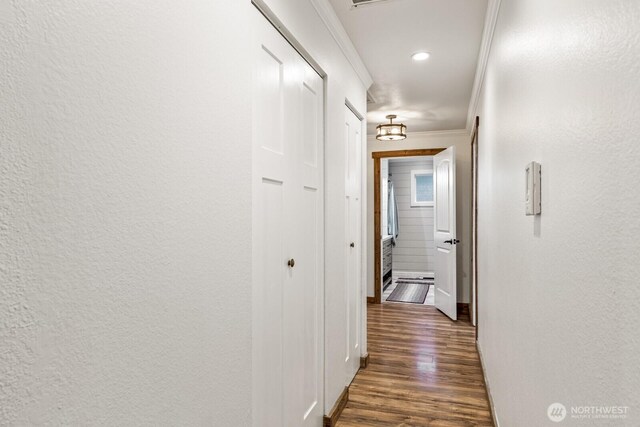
(424, 371)
(200, 202)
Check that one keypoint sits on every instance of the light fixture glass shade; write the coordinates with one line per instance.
(391, 131)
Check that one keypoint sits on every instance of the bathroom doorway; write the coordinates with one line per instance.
(404, 247)
(407, 227)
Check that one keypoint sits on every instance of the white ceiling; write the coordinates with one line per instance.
(429, 95)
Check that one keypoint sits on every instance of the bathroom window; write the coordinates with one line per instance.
(421, 188)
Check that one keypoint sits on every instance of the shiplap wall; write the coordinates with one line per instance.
(415, 248)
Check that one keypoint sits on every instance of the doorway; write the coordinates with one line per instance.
(382, 237)
(443, 190)
(407, 229)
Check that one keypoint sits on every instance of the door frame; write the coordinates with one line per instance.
(377, 232)
(474, 223)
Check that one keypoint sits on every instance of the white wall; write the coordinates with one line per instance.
(124, 247)
(559, 301)
(443, 139)
(415, 247)
(124, 250)
(305, 24)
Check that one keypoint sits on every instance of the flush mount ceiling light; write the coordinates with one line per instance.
(420, 56)
(391, 131)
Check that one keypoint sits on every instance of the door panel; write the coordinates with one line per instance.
(270, 84)
(288, 224)
(310, 113)
(311, 304)
(353, 241)
(309, 240)
(270, 278)
(445, 232)
(442, 218)
(270, 187)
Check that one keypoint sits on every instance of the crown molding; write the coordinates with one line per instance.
(333, 24)
(438, 132)
(490, 20)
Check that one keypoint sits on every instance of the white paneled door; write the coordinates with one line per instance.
(444, 185)
(353, 241)
(288, 233)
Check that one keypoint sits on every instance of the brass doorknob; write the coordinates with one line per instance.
(353, 245)
(291, 262)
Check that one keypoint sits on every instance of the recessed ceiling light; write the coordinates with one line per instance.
(420, 56)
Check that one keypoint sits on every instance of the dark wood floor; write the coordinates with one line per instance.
(424, 370)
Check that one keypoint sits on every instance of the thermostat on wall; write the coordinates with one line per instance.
(532, 196)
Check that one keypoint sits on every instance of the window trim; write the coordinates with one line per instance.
(413, 201)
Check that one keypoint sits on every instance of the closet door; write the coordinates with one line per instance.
(288, 232)
(304, 294)
(353, 247)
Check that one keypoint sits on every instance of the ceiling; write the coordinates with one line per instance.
(430, 95)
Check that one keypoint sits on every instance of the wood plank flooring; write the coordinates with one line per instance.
(424, 370)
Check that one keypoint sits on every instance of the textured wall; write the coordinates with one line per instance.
(462, 141)
(559, 301)
(124, 247)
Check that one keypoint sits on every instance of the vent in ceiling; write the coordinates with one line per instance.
(356, 3)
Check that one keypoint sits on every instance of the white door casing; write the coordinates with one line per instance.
(288, 228)
(444, 186)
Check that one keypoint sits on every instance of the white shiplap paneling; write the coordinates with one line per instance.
(414, 250)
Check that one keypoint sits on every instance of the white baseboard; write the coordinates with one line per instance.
(486, 384)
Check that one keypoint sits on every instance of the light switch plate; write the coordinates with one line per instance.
(533, 182)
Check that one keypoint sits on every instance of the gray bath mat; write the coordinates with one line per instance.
(414, 293)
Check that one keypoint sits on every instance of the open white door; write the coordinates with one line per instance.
(444, 185)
